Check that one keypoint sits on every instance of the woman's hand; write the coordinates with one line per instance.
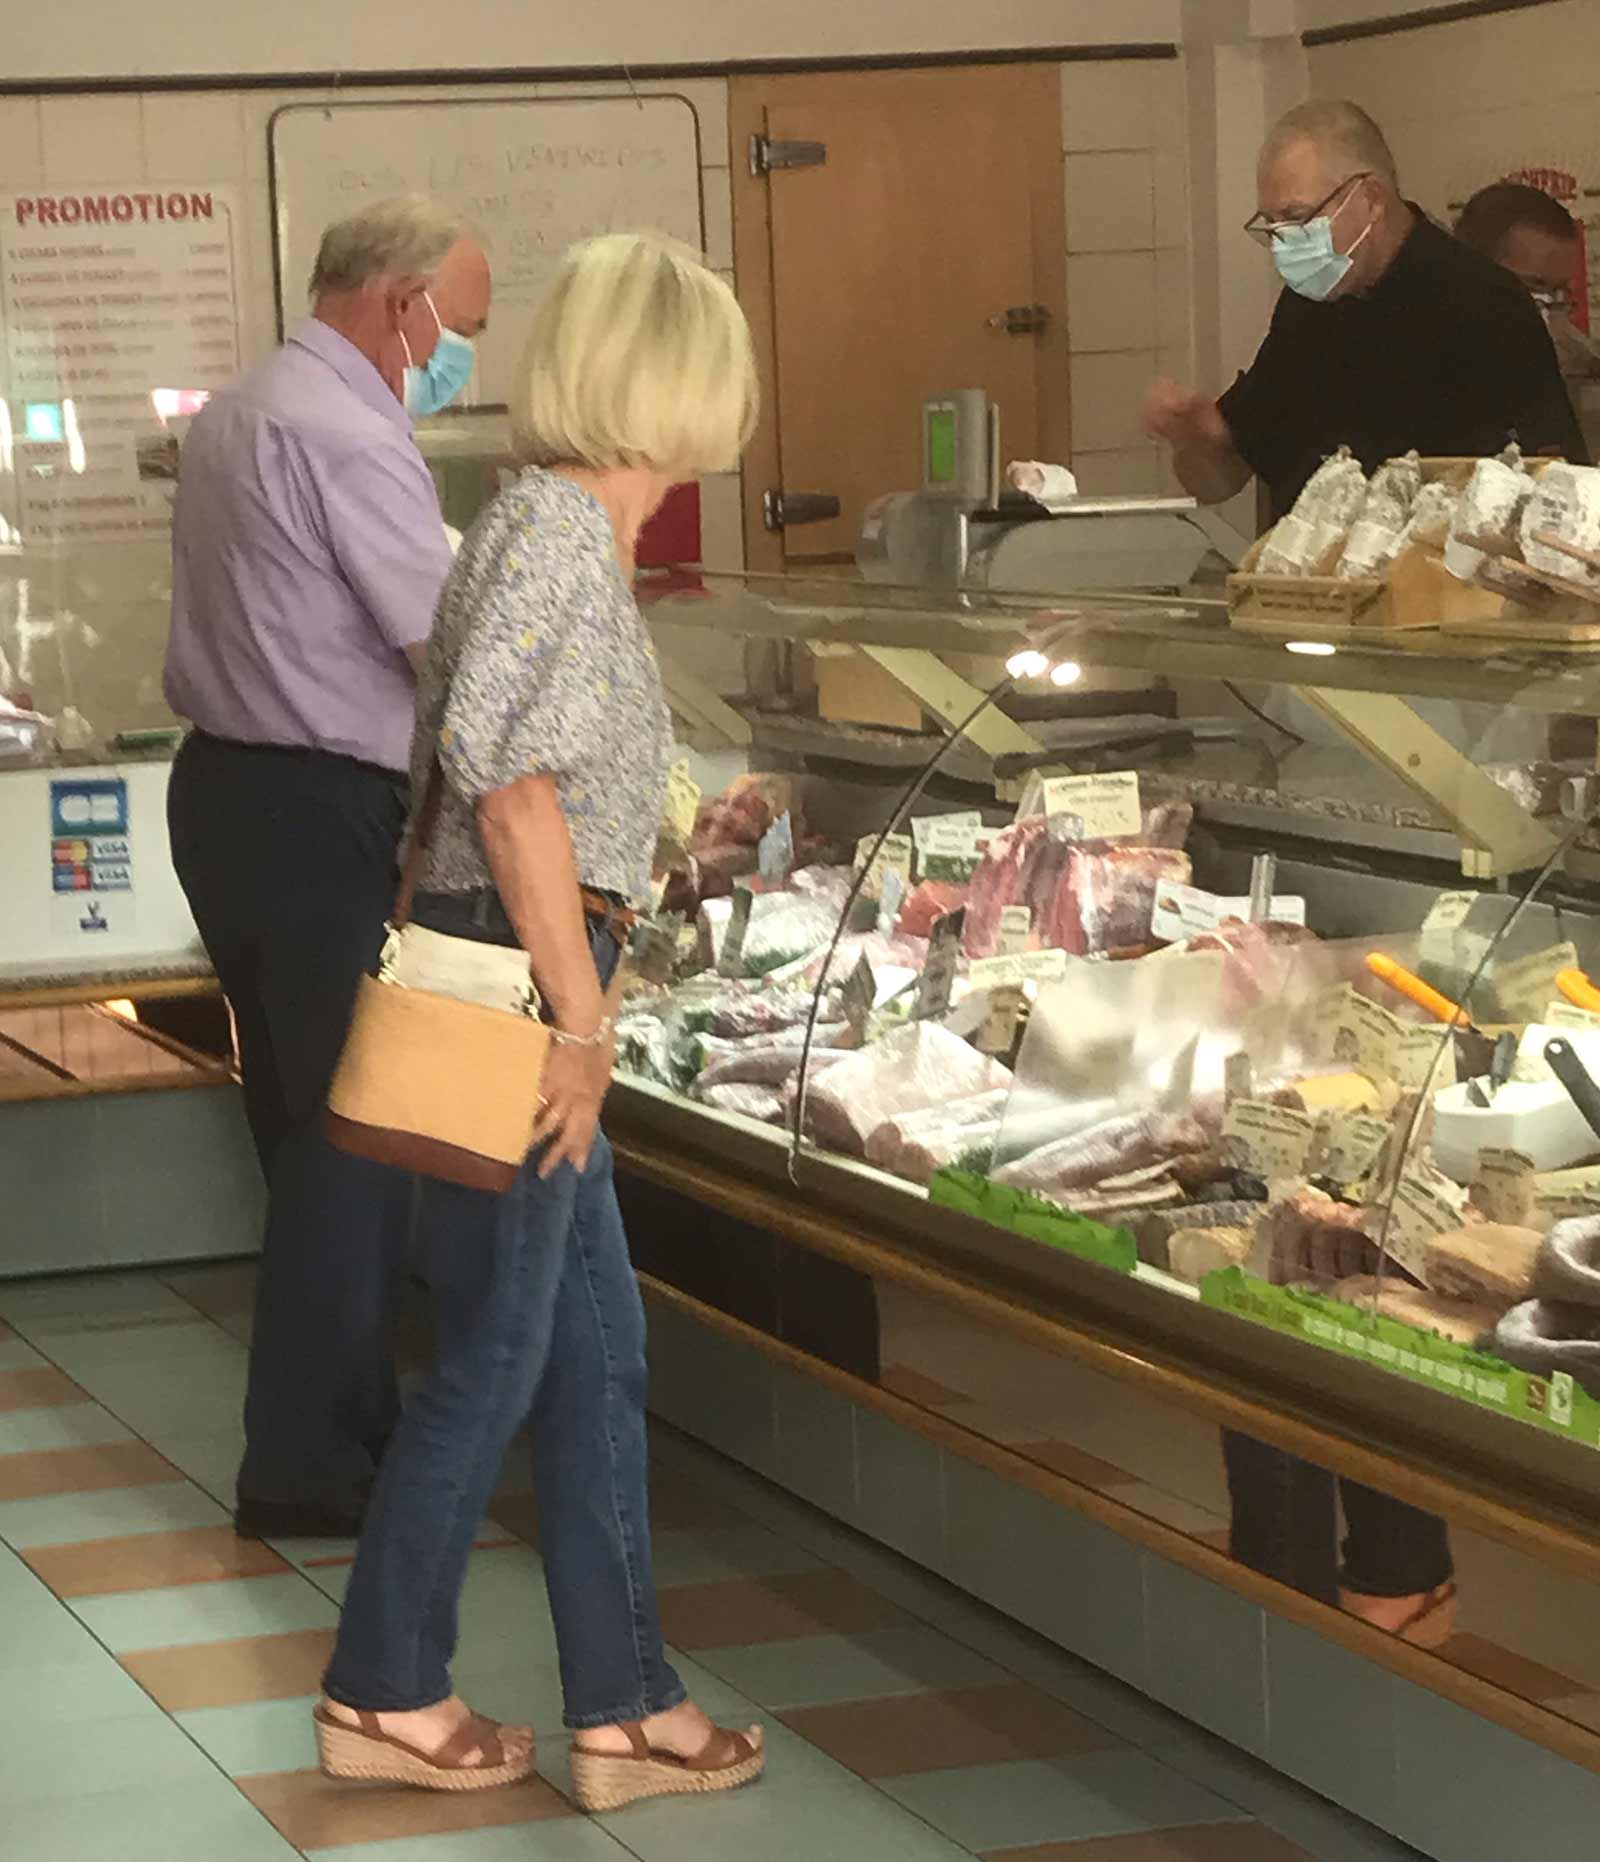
(576, 1077)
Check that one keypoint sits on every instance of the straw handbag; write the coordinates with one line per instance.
(441, 1069)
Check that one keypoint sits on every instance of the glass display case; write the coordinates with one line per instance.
(1254, 971)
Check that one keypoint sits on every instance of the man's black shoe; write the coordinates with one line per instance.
(296, 1519)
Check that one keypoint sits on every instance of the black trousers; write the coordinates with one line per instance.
(1285, 1525)
(287, 859)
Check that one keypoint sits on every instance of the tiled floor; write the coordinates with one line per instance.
(155, 1696)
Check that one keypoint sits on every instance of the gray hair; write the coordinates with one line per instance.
(401, 238)
(1343, 132)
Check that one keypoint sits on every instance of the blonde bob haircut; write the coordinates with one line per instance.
(638, 356)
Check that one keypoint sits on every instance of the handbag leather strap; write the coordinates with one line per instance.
(411, 867)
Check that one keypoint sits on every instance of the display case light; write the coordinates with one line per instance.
(1066, 672)
(1029, 664)
(1313, 649)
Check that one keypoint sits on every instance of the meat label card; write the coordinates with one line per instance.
(895, 853)
(1564, 1014)
(1504, 1188)
(1094, 807)
(1016, 923)
(947, 845)
(1524, 987)
(939, 971)
(1272, 1141)
(1350, 1147)
(683, 800)
(731, 960)
(1421, 1212)
(1185, 911)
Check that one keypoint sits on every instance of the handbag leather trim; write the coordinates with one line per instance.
(428, 1157)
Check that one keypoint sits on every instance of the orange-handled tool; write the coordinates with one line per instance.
(1440, 1007)
(1578, 990)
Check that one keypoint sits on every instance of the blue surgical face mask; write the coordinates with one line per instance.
(1308, 261)
(445, 373)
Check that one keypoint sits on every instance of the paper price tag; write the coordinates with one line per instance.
(1185, 911)
(895, 855)
(1350, 1147)
(1422, 1212)
(1378, 1035)
(1016, 925)
(1423, 1057)
(1560, 1194)
(891, 894)
(655, 947)
(999, 1028)
(1523, 988)
(730, 961)
(1564, 1014)
(956, 833)
(1333, 1034)
(1023, 966)
(1238, 1078)
(1272, 1141)
(1504, 1187)
(860, 992)
(683, 800)
(1104, 807)
(939, 972)
(775, 856)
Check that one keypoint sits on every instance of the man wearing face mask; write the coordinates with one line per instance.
(1389, 335)
(308, 553)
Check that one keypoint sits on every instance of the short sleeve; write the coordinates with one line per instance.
(386, 531)
(527, 688)
(1256, 405)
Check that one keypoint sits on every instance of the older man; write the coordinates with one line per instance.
(1533, 236)
(1390, 334)
(308, 553)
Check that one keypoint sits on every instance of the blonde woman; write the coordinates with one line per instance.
(542, 703)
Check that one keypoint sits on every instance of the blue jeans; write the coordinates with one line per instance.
(537, 1313)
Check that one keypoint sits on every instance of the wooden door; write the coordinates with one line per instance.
(873, 279)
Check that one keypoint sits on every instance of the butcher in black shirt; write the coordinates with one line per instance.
(1390, 335)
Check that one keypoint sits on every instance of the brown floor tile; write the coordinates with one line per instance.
(485, 1542)
(1505, 1668)
(153, 1561)
(933, 1732)
(1076, 1464)
(1220, 1541)
(82, 1470)
(772, 1609)
(5, 1332)
(1206, 1842)
(44, 1387)
(314, 1812)
(916, 1387)
(677, 1505)
(230, 1674)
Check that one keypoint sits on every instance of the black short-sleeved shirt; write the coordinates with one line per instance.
(1447, 353)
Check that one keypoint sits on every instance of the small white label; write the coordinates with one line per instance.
(1350, 1146)
(1023, 966)
(683, 800)
(1422, 1212)
(1503, 1187)
(1104, 807)
(1016, 924)
(1564, 1014)
(947, 833)
(1524, 987)
(894, 856)
(1185, 911)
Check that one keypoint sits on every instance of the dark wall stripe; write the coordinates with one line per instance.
(581, 74)
(1414, 20)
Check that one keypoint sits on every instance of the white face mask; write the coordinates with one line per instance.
(1307, 259)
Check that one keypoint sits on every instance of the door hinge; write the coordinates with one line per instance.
(767, 156)
(782, 509)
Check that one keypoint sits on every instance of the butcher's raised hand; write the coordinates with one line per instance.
(1182, 417)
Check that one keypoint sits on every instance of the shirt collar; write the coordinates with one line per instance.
(353, 368)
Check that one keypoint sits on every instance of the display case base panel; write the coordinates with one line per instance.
(1428, 1771)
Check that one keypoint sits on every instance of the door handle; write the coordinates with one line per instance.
(781, 509)
(1021, 319)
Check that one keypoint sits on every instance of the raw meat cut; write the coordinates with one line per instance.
(916, 1144)
(1105, 900)
(1256, 968)
(933, 899)
(1489, 1262)
(923, 1065)
(751, 1101)
(1308, 1236)
(1114, 1148)
(768, 1060)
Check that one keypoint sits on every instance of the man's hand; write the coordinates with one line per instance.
(1182, 417)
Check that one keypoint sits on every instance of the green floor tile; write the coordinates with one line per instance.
(190, 1613)
(263, 1736)
(814, 1670)
(17, 1355)
(577, 1840)
(210, 1460)
(1057, 1800)
(135, 1750)
(66, 1425)
(708, 1557)
(119, 1512)
(64, 1694)
(208, 1820)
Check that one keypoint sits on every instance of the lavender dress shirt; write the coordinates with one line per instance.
(308, 552)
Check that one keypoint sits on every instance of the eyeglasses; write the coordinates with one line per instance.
(1550, 297)
(1264, 231)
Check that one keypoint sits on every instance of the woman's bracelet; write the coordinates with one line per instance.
(600, 1035)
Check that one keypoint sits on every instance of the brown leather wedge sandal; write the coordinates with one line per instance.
(608, 1780)
(366, 1751)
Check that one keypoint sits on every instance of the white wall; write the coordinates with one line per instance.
(107, 38)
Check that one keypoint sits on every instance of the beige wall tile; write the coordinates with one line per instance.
(1106, 393)
(1174, 294)
(193, 136)
(1111, 301)
(92, 139)
(1110, 201)
(1169, 103)
(722, 521)
(21, 142)
(1120, 472)
(716, 193)
(1107, 105)
(1170, 173)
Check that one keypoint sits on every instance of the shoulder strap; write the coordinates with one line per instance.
(417, 846)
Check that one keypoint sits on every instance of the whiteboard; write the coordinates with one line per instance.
(529, 175)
